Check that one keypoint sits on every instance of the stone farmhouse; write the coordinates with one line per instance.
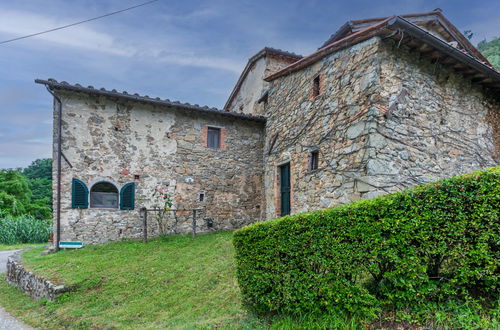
(382, 105)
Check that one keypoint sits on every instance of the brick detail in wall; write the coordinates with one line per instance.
(223, 138)
(277, 193)
(204, 135)
(321, 86)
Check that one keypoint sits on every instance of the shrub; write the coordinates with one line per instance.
(429, 243)
(24, 229)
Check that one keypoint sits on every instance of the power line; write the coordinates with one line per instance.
(77, 23)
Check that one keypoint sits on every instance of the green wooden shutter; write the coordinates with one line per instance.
(127, 196)
(79, 195)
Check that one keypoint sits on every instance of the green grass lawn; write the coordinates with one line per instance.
(7, 247)
(174, 282)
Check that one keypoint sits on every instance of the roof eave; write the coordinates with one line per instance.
(54, 85)
(394, 23)
(322, 52)
(416, 32)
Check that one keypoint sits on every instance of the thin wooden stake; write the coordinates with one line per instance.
(145, 225)
(194, 223)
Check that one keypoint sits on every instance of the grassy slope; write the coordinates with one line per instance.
(170, 282)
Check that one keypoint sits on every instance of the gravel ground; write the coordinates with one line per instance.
(8, 322)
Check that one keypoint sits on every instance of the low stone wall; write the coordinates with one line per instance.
(33, 285)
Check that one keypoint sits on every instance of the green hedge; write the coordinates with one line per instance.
(24, 229)
(430, 243)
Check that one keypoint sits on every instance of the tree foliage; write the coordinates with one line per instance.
(15, 194)
(491, 50)
(39, 169)
(27, 191)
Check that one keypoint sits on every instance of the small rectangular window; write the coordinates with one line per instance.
(315, 87)
(313, 160)
(213, 138)
(202, 197)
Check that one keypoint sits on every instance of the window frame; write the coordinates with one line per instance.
(316, 86)
(313, 160)
(214, 131)
(92, 203)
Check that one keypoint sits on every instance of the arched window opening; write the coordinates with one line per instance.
(104, 195)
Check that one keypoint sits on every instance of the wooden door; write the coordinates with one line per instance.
(285, 189)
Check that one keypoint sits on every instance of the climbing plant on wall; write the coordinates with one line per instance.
(163, 203)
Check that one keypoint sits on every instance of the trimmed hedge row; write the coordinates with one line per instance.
(430, 243)
(24, 229)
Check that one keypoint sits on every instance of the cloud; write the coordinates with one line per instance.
(16, 23)
(202, 13)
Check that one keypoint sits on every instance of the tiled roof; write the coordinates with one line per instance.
(435, 16)
(413, 36)
(63, 85)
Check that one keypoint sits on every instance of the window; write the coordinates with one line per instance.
(313, 160)
(127, 196)
(315, 87)
(202, 197)
(213, 137)
(79, 195)
(104, 195)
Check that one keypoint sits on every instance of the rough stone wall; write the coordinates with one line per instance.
(384, 120)
(438, 124)
(114, 140)
(254, 86)
(33, 285)
(336, 123)
(250, 90)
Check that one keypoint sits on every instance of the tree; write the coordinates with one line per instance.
(491, 50)
(16, 197)
(40, 168)
(39, 175)
(15, 194)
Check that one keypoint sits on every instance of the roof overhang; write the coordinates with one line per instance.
(436, 49)
(416, 38)
(113, 94)
(434, 20)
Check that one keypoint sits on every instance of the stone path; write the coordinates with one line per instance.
(8, 322)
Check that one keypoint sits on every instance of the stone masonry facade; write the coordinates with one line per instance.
(122, 142)
(373, 111)
(441, 127)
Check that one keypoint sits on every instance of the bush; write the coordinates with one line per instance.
(426, 244)
(24, 229)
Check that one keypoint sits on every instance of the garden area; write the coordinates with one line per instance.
(421, 258)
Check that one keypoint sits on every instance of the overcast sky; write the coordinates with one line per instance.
(192, 51)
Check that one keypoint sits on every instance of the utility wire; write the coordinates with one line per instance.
(77, 23)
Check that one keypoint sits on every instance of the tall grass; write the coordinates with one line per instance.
(24, 229)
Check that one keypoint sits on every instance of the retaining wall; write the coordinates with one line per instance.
(33, 285)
